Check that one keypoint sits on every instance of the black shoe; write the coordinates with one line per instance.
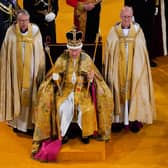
(30, 132)
(116, 127)
(135, 126)
(153, 64)
(16, 130)
(85, 140)
(65, 139)
(74, 131)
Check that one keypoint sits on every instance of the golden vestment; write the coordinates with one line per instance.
(22, 68)
(128, 74)
(48, 120)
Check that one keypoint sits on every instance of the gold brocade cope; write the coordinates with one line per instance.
(91, 120)
(24, 62)
(125, 59)
(105, 108)
(82, 102)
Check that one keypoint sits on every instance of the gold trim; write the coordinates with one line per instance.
(5, 9)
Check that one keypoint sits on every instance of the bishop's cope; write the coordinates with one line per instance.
(74, 92)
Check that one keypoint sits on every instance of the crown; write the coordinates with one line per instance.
(74, 39)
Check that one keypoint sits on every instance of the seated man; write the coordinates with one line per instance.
(74, 91)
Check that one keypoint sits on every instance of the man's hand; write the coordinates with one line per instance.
(89, 6)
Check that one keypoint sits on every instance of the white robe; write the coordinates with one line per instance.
(9, 107)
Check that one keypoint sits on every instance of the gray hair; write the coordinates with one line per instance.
(22, 11)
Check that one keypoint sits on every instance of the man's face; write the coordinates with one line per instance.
(74, 53)
(126, 18)
(23, 21)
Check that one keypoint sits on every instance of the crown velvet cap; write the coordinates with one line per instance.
(74, 39)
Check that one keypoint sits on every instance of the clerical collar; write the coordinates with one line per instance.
(24, 31)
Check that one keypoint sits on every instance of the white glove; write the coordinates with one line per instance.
(55, 76)
(50, 17)
(156, 11)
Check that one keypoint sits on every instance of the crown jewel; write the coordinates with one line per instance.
(74, 39)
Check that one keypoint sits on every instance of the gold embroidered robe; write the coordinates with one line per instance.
(140, 88)
(48, 121)
(12, 98)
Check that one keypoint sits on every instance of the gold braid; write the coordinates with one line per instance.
(7, 10)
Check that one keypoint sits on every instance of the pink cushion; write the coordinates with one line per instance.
(49, 150)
